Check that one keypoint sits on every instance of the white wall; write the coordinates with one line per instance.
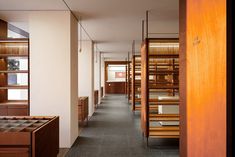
(53, 66)
(74, 77)
(86, 73)
(97, 73)
(102, 72)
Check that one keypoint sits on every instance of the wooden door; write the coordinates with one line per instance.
(203, 78)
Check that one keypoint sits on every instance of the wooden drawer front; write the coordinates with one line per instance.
(18, 111)
(3, 110)
(14, 110)
(14, 138)
(14, 152)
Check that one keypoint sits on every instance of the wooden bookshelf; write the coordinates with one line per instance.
(13, 54)
(135, 83)
(159, 88)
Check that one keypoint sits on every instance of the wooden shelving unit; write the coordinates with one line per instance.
(12, 52)
(160, 88)
(135, 83)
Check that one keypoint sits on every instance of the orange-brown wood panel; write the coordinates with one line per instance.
(203, 54)
(18, 110)
(144, 89)
(115, 87)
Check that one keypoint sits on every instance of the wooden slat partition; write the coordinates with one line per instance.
(135, 83)
(157, 85)
(144, 89)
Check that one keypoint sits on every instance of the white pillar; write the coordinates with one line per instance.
(53, 70)
(86, 73)
(102, 73)
(97, 73)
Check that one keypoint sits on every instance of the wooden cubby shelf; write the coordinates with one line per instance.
(14, 71)
(135, 83)
(14, 77)
(15, 87)
(160, 84)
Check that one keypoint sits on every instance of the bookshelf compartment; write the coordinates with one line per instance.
(14, 77)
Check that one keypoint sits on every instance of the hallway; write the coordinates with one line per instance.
(114, 131)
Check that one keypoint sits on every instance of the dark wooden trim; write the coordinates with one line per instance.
(3, 29)
(142, 30)
(133, 83)
(18, 30)
(126, 80)
(182, 78)
(147, 23)
(29, 77)
(230, 79)
(129, 72)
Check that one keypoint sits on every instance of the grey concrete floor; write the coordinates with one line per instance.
(114, 131)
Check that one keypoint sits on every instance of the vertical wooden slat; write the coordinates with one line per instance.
(3, 29)
(230, 79)
(3, 77)
(133, 83)
(144, 89)
(182, 78)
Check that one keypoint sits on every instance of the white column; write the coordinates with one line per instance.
(102, 72)
(86, 73)
(53, 70)
(97, 73)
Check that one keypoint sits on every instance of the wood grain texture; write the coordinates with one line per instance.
(144, 89)
(182, 79)
(204, 104)
(45, 140)
(3, 29)
(115, 87)
(133, 83)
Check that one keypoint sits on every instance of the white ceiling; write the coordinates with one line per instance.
(112, 24)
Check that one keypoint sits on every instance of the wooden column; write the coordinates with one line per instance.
(202, 78)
